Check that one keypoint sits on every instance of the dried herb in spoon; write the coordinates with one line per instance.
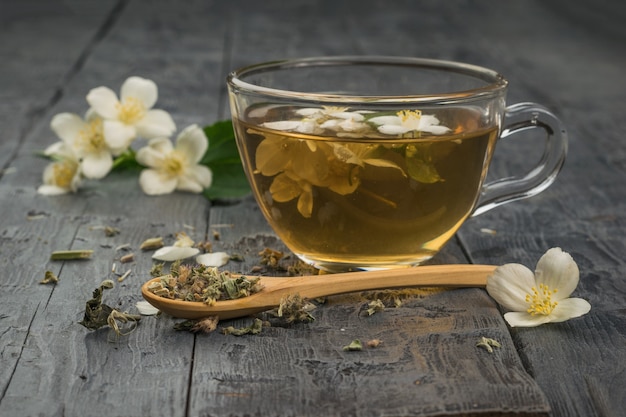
(203, 284)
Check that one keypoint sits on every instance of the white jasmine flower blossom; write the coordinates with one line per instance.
(175, 168)
(86, 139)
(406, 121)
(542, 297)
(182, 249)
(214, 259)
(315, 120)
(131, 115)
(63, 175)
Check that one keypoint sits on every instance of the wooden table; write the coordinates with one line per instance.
(567, 55)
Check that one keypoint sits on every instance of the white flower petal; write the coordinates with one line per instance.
(155, 123)
(146, 309)
(215, 259)
(386, 120)
(97, 165)
(118, 136)
(142, 89)
(67, 127)
(51, 190)
(435, 130)
(308, 111)
(58, 149)
(570, 308)
(393, 129)
(174, 253)
(357, 117)
(153, 182)
(509, 284)
(557, 270)
(193, 143)
(196, 179)
(154, 153)
(104, 101)
(523, 319)
(283, 125)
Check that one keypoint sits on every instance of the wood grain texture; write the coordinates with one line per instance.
(566, 55)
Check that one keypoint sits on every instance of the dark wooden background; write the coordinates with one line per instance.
(567, 55)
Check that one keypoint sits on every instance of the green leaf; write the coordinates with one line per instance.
(419, 164)
(126, 160)
(229, 178)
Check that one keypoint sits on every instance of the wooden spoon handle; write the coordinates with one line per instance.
(429, 275)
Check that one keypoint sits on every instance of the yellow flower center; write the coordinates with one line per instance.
(174, 163)
(410, 118)
(130, 110)
(91, 138)
(540, 301)
(63, 173)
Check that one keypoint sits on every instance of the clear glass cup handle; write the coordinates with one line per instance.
(518, 117)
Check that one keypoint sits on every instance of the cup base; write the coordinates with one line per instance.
(336, 266)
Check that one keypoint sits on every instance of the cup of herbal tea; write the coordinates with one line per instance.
(364, 162)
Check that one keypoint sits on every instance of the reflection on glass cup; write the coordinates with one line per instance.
(375, 162)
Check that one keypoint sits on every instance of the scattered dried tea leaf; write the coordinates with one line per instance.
(98, 314)
(270, 257)
(204, 325)
(254, 328)
(375, 306)
(111, 231)
(294, 309)
(205, 246)
(117, 320)
(157, 270)
(152, 243)
(301, 268)
(488, 344)
(355, 345)
(49, 278)
(124, 276)
(70, 255)
(127, 258)
(374, 343)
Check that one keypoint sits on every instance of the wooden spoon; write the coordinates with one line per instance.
(275, 288)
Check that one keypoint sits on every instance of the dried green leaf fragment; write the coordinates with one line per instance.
(204, 325)
(375, 306)
(70, 255)
(111, 231)
(49, 278)
(98, 314)
(355, 345)
(203, 284)
(488, 344)
(294, 309)
(254, 328)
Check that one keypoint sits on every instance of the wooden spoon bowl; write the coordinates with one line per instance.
(274, 289)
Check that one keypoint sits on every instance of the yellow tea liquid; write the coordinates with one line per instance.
(365, 202)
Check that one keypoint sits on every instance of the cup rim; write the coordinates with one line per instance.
(496, 83)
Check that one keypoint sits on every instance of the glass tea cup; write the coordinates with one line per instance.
(363, 163)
